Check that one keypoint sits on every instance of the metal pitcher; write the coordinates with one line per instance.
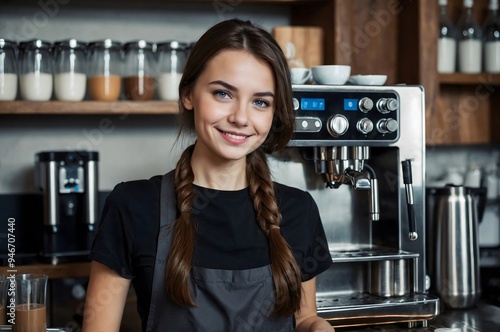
(456, 214)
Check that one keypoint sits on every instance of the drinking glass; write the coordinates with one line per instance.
(4, 286)
(31, 296)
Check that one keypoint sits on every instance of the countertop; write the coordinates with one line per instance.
(483, 317)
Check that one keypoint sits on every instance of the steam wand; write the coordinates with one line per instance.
(374, 204)
(407, 179)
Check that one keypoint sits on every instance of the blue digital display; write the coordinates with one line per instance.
(312, 104)
(350, 104)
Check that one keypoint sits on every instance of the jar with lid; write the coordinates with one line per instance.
(104, 77)
(8, 70)
(70, 78)
(172, 58)
(35, 79)
(139, 71)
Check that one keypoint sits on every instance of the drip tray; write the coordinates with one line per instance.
(370, 254)
(367, 309)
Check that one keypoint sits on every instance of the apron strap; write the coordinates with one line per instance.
(168, 202)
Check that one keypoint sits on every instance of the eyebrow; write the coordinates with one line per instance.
(233, 88)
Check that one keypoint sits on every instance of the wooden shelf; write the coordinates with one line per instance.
(88, 107)
(67, 270)
(263, 2)
(467, 79)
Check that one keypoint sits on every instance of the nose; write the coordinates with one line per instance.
(239, 115)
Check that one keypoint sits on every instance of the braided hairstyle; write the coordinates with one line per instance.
(237, 35)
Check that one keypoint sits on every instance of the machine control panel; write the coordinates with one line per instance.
(345, 115)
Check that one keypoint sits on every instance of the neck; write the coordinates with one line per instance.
(214, 173)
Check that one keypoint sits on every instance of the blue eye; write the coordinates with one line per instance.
(221, 94)
(262, 103)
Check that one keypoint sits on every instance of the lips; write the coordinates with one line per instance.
(234, 137)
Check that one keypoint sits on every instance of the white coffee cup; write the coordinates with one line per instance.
(300, 75)
(331, 74)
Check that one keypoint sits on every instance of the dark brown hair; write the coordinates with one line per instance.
(237, 35)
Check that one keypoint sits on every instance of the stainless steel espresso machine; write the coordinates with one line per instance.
(360, 152)
(68, 181)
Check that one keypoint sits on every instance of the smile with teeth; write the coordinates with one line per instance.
(234, 136)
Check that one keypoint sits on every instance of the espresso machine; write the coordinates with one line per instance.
(360, 152)
(68, 181)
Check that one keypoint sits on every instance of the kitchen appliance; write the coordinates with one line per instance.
(68, 181)
(360, 152)
(453, 262)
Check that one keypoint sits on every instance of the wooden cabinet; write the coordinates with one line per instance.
(399, 38)
(393, 37)
(460, 108)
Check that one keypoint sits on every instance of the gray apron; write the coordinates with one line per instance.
(239, 300)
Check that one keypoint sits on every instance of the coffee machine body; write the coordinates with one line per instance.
(68, 181)
(360, 152)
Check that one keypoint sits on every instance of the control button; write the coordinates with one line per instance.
(364, 126)
(307, 124)
(365, 105)
(389, 125)
(337, 125)
(387, 105)
(296, 104)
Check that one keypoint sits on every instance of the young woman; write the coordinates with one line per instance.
(216, 245)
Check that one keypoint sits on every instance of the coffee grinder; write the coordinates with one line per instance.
(69, 183)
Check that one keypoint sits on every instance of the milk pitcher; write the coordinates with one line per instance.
(456, 248)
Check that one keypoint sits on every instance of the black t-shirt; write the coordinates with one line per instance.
(227, 235)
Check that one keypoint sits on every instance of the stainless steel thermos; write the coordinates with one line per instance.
(454, 246)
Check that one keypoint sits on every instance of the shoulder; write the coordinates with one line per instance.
(140, 185)
(137, 187)
(136, 191)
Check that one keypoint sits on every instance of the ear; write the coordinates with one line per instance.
(187, 101)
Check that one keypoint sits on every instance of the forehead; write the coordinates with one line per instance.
(239, 66)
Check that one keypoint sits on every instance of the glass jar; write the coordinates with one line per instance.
(172, 58)
(105, 61)
(8, 70)
(139, 71)
(69, 70)
(35, 79)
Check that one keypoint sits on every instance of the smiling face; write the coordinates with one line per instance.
(233, 104)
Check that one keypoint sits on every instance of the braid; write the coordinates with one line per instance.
(183, 235)
(286, 274)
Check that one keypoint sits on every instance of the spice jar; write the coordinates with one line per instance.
(36, 70)
(8, 70)
(104, 81)
(139, 70)
(69, 70)
(171, 61)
